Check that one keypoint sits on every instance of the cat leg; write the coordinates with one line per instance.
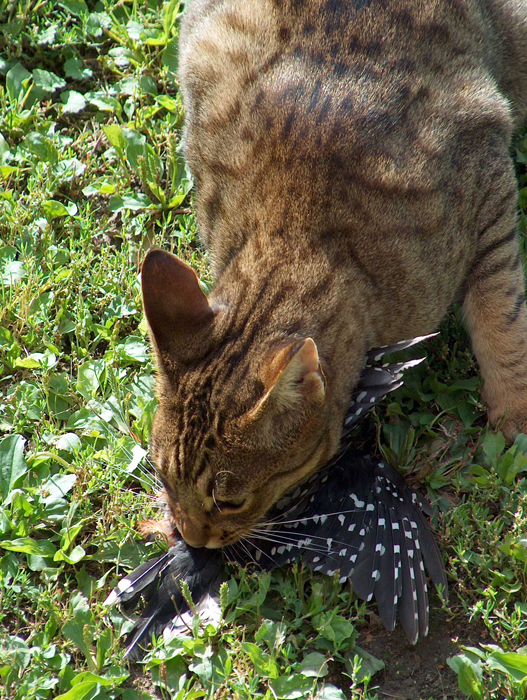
(496, 315)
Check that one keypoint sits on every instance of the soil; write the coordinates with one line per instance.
(420, 672)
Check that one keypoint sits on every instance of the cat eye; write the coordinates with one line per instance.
(231, 505)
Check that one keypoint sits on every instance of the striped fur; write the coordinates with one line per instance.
(353, 181)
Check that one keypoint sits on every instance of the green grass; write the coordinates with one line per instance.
(90, 178)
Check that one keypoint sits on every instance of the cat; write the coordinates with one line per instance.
(353, 181)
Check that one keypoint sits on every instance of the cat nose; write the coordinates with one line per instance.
(194, 535)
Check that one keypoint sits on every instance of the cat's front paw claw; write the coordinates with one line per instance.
(510, 421)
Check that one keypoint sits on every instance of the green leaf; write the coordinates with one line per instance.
(74, 557)
(74, 68)
(170, 13)
(134, 30)
(135, 147)
(57, 487)
(291, 687)
(493, 446)
(33, 361)
(5, 153)
(130, 201)
(314, 665)
(47, 36)
(88, 690)
(27, 545)
(75, 7)
(13, 272)
(73, 102)
(13, 466)
(170, 56)
(88, 378)
(169, 103)
(469, 676)
(102, 101)
(148, 85)
(54, 209)
(154, 37)
(262, 661)
(264, 582)
(169, 678)
(516, 548)
(512, 664)
(104, 644)
(124, 56)
(114, 134)
(42, 147)
(15, 82)
(7, 170)
(330, 692)
(99, 186)
(334, 628)
(369, 666)
(79, 629)
(134, 349)
(272, 633)
(48, 82)
(67, 169)
(469, 682)
(87, 676)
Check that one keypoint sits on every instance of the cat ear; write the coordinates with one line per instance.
(177, 311)
(296, 377)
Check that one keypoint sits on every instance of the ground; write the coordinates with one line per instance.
(419, 672)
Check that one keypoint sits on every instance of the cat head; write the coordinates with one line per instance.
(242, 416)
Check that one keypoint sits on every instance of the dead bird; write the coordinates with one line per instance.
(357, 517)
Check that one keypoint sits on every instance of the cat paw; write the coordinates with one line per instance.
(511, 421)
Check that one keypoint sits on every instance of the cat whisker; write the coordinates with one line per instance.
(150, 476)
(230, 550)
(329, 555)
(147, 486)
(123, 489)
(215, 501)
(285, 513)
(304, 519)
(265, 554)
(142, 479)
(247, 551)
(284, 541)
(300, 536)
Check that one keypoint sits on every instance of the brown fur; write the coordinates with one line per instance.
(353, 181)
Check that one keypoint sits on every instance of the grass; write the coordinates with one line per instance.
(90, 178)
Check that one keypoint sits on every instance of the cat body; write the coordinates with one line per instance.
(353, 180)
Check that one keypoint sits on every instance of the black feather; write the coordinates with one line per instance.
(373, 533)
(138, 583)
(377, 354)
(201, 571)
(386, 589)
(374, 384)
(408, 610)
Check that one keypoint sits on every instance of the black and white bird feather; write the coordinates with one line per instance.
(356, 519)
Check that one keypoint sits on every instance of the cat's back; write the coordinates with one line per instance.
(370, 50)
(337, 104)
(266, 79)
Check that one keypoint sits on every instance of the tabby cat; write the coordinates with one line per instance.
(353, 181)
